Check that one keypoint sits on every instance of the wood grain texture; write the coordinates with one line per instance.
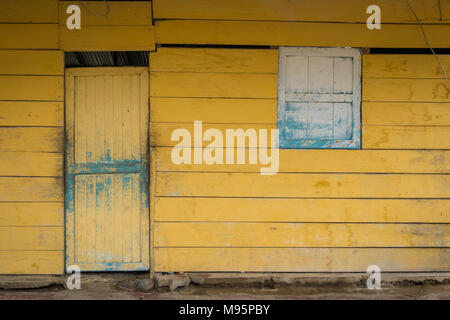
(417, 66)
(31, 238)
(107, 212)
(406, 137)
(46, 88)
(31, 214)
(25, 164)
(109, 14)
(160, 133)
(357, 161)
(31, 189)
(289, 235)
(118, 99)
(32, 62)
(302, 185)
(29, 11)
(300, 259)
(409, 113)
(29, 36)
(213, 85)
(301, 210)
(214, 60)
(413, 90)
(32, 139)
(108, 38)
(213, 110)
(299, 34)
(31, 113)
(32, 262)
(285, 10)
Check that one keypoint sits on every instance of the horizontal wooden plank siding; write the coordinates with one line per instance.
(406, 137)
(286, 10)
(406, 113)
(217, 110)
(299, 34)
(213, 110)
(29, 36)
(214, 60)
(162, 132)
(301, 210)
(301, 259)
(32, 88)
(405, 102)
(31, 139)
(219, 85)
(31, 189)
(109, 14)
(31, 62)
(288, 235)
(31, 214)
(32, 262)
(302, 185)
(31, 238)
(344, 161)
(413, 90)
(40, 164)
(108, 38)
(31, 113)
(424, 66)
(29, 11)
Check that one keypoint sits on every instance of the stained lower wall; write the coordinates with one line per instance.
(326, 210)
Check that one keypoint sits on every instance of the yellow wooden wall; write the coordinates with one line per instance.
(301, 23)
(31, 138)
(326, 210)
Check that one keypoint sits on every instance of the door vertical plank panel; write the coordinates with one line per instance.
(135, 119)
(108, 121)
(90, 220)
(90, 120)
(136, 213)
(99, 221)
(80, 206)
(99, 119)
(108, 233)
(117, 91)
(117, 192)
(127, 217)
(126, 112)
(80, 119)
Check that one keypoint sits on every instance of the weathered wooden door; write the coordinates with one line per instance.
(107, 211)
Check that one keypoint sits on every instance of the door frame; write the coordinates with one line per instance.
(70, 172)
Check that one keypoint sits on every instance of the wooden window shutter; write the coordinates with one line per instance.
(319, 98)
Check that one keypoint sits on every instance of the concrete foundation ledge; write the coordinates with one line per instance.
(231, 279)
(16, 282)
(146, 282)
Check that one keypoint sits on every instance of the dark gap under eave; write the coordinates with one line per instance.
(106, 59)
(409, 51)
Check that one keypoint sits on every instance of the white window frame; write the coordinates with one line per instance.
(354, 99)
